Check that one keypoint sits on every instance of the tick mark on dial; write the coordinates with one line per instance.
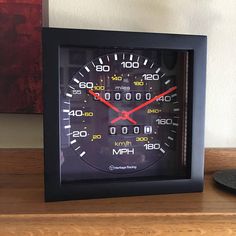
(76, 81)
(69, 95)
(168, 81)
(176, 109)
(100, 60)
(82, 153)
(73, 141)
(86, 68)
(162, 150)
(145, 62)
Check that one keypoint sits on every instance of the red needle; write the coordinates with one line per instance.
(111, 106)
(126, 114)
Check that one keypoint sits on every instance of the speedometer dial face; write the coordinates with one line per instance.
(123, 113)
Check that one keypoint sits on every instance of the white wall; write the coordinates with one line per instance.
(21, 131)
(214, 18)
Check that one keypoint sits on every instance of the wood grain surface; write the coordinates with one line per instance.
(24, 212)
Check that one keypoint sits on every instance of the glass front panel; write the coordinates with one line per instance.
(123, 113)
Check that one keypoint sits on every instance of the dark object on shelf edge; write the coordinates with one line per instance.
(226, 179)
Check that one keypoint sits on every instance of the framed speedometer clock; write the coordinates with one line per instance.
(123, 113)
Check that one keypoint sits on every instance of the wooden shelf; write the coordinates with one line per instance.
(24, 212)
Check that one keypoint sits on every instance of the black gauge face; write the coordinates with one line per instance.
(123, 113)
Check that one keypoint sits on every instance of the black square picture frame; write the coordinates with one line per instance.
(54, 39)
